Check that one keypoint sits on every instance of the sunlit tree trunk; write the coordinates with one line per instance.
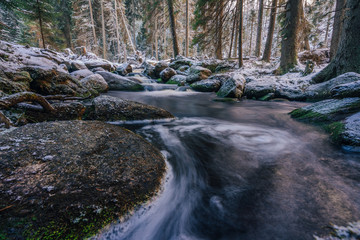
(103, 29)
(259, 29)
(240, 6)
(270, 36)
(92, 24)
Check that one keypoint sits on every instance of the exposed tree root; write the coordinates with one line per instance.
(5, 120)
(10, 101)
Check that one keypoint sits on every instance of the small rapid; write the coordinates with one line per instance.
(234, 175)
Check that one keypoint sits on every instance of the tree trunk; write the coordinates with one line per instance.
(156, 40)
(164, 31)
(187, 37)
(236, 29)
(40, 23)
(173, 27)
(232, 36)
(347, 57)
(327, 31)
(240, 2)
(259, 28)
(103, 29)
(117, 30)
(337, 27)
(251, 34)
(127, 29)
(92, 24)
(219, 30)
(270, 36)
(289, 43)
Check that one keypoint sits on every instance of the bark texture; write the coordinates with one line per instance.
(337, 27)
(259, 28)
(289, 44)
(347, 58)
(269, 39)
(173, 27)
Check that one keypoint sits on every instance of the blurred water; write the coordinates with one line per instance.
(242, 170)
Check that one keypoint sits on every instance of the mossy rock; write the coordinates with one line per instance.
(327, 110)
(67, 180)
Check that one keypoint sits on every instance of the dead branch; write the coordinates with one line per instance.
(10, 101)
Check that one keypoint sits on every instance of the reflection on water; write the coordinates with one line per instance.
(241, 171)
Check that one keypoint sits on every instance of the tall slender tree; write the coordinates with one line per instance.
(187, 33)
(259, 28)
(173, 27)
(270, 35)
(240, 7)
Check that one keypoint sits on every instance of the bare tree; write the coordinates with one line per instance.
(270, 36)
(259, 28)
(173, 27)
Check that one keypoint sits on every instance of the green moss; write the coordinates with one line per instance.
(137, 87)
(335, 130)
(306, 115)
(225, 100)
(171, 82)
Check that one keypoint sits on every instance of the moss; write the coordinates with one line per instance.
(306, 115)
(171, 82)
(136, 88)
(335, 130)
(225, 99)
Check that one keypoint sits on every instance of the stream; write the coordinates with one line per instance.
(240, 170)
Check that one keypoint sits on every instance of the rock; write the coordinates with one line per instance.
(181, 61)
(346, 90)
(97, 69)
(51, 82)
(197, 73)
(351, 131)
(167, 73)
(9, 87)
(96, 82)
(63, 111)
(80, 74)
(224, 67)
(257, 90)
(290, 92)
(103, 64)
(233, 87)
(149, 70)
(319, 56)
(124, 69)
(159, 67)
(180, 80)
(327, 110)
(207, 85)
(183, 69)
(107, 108)
(76, 65)
(211, 64)
(71, 178)
(323, 90)
(117, 82)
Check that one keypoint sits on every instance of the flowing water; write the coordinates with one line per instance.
(241, 170)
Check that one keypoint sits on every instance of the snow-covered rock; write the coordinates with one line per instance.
(96, 82)
(346, 90)
(117, 82)
(180, 80)
(323, 90)
(207, 85)
(197, 73)
(80, 74)
(233, 87)
(159, 67)
(167, 73)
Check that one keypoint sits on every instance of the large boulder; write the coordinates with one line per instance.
(327, 110)
(76, 65)
(351, 131)
(64, 179)
(197, 73)
(97, 63)
(180, 80)
(124, 69)
(233, 87)
(51, 82)
(346, 90)
(322, 91)
(166, 74)
(80, 74)
(149, 70)
(107, 108)
(159, 67)
(257, 89)
(96, 82)
(117, 82)
(207, 85)
(180, 61)
(9, 87)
